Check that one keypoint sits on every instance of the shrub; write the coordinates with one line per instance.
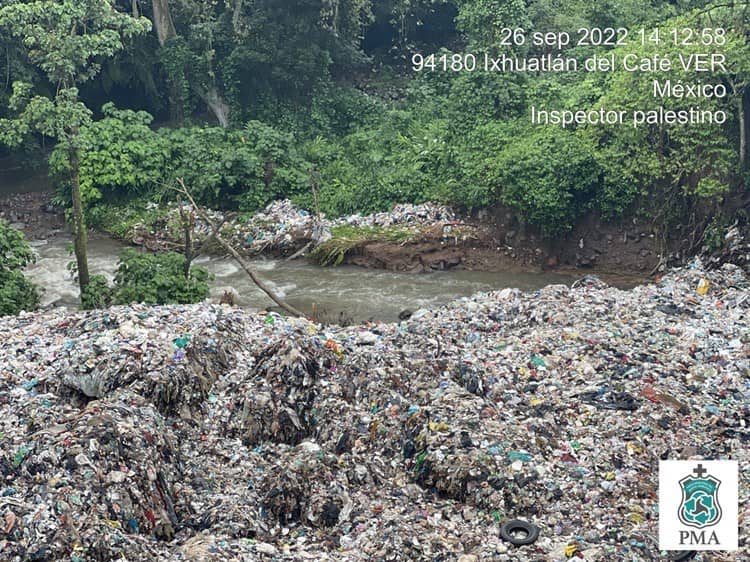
(550, 176)
(97, 294)
(17, 293)
(398, 161)
(158, 279)
(123, 157)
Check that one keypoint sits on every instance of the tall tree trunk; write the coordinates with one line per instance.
(743, 131)
(236, 15)
(79, 223)
(165, 30)
(163, 23)
(217, 105)
(136, 13)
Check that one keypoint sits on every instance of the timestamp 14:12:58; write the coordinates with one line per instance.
(684, 36)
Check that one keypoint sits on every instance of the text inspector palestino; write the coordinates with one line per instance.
(566, 118)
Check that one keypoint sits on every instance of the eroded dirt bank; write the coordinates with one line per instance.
(494, 240)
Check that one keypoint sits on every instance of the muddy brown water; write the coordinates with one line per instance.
(359, 294)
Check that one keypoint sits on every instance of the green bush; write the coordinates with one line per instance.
(17, 293)
(550, 176)
(98, 293)
(119, 220)
(399, 161)
(158, 279)
(122, 157)
(472, 176)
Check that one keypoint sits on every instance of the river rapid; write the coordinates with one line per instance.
(359, 294)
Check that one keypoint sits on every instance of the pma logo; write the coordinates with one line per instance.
(700, 499)
(698, 505)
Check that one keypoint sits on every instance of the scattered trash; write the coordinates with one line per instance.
(681, 556)
(282, 228)
(703, 286)
(204, 432)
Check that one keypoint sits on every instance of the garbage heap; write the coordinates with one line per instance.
(733, 248)
(209, 433)
(281, 228)
(403, 214)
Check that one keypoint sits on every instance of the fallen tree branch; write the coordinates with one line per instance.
(235, 254)
(298, 253)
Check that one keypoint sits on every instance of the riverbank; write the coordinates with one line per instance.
(208, 433)
(409, 238)
(33, 213)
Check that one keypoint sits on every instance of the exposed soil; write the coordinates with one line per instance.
(500, 242)
(493, 240)
(34, 214)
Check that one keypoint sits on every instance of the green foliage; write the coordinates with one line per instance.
(65, 40)
(549, 176)
(119, 219)
(346, 238)
(245, 169)
(483, 20)
(653, 159)
(158, 279)
(178, 61)
(713, 235)
(337, 111)
(52, 33)
(125, 160)
(15, 252)
(16, 292)
(264, 51)
(372, 169)
(308, 108)
(123, 157)
(97, 294)
(474, 177)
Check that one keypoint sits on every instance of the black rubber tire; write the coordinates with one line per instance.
(681, 555)
(509, 527)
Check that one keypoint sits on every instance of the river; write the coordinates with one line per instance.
(360, 294)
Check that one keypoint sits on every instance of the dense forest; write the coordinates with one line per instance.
(250, 101)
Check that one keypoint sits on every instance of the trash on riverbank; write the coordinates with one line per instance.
(208, 433)
(282, 228)
(734, 247)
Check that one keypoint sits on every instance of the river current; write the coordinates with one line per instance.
(360, 294)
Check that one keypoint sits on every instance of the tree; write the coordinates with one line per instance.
(16, 292)
(65, 39)
(239, 56)
(483, 20)
(734, 15)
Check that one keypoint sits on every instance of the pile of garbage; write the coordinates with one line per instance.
(282, 228)
(406, 214)
(504, 426)
(734, 248)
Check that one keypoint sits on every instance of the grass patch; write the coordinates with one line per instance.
(346, 238)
